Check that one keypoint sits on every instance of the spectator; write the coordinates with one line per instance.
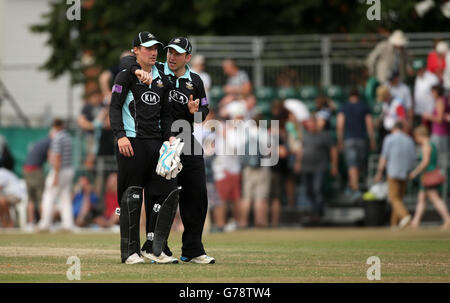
(316, 154)
(324, 111)
(294, 144)
(287, 78)
(85, 203)
(440, 127)
(446, 74)
(106, 78)
(110, 202)
(33, 172)
(216, 205)
(423, 98)
(388, 56)
(354, 125)
(428, 162)
(436, 59)
(90, 120)
(255, 180)
(398, 156)
(58, 183)
(227, 169)
(393, 110)
(11, 193)
(238, 85)
(198, 66)
(400, 90)
(6, 158)
(278, 171)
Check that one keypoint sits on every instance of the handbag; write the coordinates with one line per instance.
(433, 178)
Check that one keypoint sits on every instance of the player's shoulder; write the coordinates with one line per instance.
(196, 78)
(124, 76)
(159, 66)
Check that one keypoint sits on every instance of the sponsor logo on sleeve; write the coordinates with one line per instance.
(117, 88)
(204, 101)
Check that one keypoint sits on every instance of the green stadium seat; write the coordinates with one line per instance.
(310, 104)
(287, 93)
(216, 93)
(265, 92)
(335, 93)
(307, 93)
(265, 108)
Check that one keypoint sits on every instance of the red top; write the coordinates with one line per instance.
(436, 64)
(110, 204)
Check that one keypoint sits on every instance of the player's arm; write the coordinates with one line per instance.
(129, 63)
(166, 115)
(202, 106)
(119, 95)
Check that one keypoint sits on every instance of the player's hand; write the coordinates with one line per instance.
(193, 105)
(143, 76)
(125, 147)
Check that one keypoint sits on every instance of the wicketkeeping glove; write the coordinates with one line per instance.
(169, 164)
(176, 162)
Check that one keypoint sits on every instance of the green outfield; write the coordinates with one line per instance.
(281, 255)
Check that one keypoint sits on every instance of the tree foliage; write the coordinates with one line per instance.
(107, 27)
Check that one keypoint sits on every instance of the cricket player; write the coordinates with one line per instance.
(187, 96)
(141, 118)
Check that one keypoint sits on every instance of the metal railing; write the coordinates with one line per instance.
(319, 60)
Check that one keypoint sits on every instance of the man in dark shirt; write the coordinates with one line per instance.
(34, 177)
(95, 133)
(140, 117)
(354, 123)
(187, 97)
(317, 151)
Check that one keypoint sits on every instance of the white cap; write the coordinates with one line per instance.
(441, 47)
(398, 38)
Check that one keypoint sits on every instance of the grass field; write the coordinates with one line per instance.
(282, 255)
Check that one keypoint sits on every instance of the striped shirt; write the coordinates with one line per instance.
(62, 145)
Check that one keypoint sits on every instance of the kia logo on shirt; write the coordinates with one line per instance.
(178, 97)
(150, 98)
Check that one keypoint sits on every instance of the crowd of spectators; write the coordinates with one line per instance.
(311, 148)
